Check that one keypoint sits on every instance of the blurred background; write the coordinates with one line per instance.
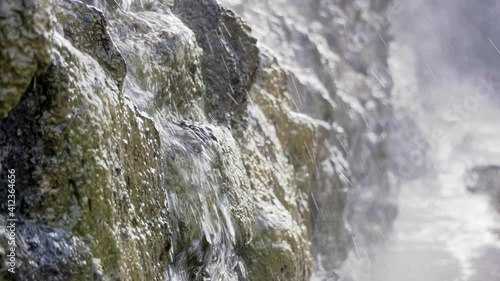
(443, 139)
(448, 223)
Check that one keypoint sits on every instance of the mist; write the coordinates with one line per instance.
(445, 63)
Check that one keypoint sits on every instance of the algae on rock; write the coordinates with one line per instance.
(141, 156)
(156, 140)
(24, 45)
(335, 55)
(276, 144)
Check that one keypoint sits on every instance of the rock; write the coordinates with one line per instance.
(230, 57)
(25, 47)
(77, 127)
(85, 27)
(155, 140)
(277, 162)
(334, 57)
(54, 254)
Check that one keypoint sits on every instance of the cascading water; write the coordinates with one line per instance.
(307, 140)
(445, 68)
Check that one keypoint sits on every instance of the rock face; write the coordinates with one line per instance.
(154, 140)
(335, 54)
(25, 44)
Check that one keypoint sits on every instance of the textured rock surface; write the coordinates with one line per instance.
(24, 45)
(155, 140)
(230, 55)
(145, 152)
(335, 54)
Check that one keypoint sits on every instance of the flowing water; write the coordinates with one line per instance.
(206, 199)
(444, 232)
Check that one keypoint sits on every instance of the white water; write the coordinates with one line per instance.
(443, 232)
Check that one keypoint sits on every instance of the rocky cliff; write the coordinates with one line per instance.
(335, 54)
(161, 140)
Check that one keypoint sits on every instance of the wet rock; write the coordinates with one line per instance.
(334, 54)
(54, 254)
(85, 27)
(230, 57)
(25, 47)
(159, 140)
(76, 128)
(275, 142)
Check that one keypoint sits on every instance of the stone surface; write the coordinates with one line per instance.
(132, 165)
(25, 45)
(230, 57)
(166, 140)
(335, 55)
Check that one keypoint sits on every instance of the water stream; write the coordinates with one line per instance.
(444, 232)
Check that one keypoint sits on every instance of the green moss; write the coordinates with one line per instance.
(98, 172)
(276, 255)
(278, 166)
(25, 47)
(105, 171)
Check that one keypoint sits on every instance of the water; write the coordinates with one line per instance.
(443, 232)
